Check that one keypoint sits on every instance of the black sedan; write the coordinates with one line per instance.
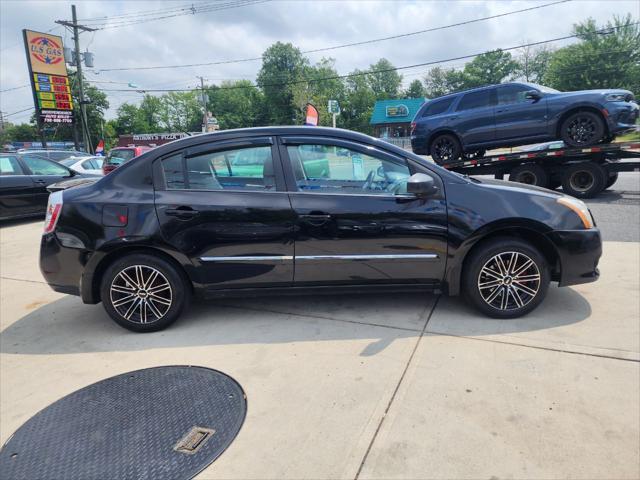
(24, 179)
(300, 209)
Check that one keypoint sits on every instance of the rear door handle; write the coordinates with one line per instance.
(316, 219)
(182, 212)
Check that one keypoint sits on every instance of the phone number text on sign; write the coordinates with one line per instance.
(56, 116)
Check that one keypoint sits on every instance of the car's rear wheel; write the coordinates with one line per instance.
(144, 293)
(445, 149)
(506, 278)
(582, 129)
(584, 180)
(531, 174)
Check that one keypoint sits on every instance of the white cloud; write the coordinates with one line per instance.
(247, 31)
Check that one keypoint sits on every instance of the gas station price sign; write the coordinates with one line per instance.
(49, 81)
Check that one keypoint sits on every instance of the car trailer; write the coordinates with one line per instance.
(582, 172)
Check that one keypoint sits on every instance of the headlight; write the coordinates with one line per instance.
(579, 207)
(615, 97)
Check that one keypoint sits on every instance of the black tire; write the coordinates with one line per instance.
(531, 174)
(584, 180)
(445, 149)
(152, 311)
(554, 184)
(516, 294)
(582, 129)
(613, 178)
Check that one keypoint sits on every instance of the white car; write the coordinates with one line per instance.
(90, 165)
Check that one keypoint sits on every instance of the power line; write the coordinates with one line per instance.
(13, 88)
(369, 72)
(325, 49)
(140, 13)
(19, 111)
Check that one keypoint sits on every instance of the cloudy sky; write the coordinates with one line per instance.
(238, 29)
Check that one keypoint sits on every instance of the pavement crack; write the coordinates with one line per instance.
(22, 280)
(395, 391)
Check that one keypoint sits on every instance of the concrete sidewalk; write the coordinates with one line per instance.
(385, 386)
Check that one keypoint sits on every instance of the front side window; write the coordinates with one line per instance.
(236, 169)
(335, 169)
(9, 166)
(40, 166)
(475, 100)
(510, 94)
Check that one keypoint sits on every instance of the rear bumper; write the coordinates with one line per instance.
(61, 267)
(579, 252)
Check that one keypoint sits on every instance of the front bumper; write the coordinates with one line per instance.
(579, 252)
(622, 116)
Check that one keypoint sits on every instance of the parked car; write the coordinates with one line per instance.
(87, 164)
(55, 155)
(24, 179)
(512, 114)
(179, 221)
(119, 155)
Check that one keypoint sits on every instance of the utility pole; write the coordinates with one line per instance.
(204, 105)
(83, 106)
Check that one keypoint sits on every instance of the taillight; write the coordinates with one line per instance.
(413, 127)
(54, 207)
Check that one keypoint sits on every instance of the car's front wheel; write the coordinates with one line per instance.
(506, 278)
(582, 129)
(144, 293)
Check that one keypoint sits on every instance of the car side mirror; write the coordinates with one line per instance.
(421, 185)
(534, 95)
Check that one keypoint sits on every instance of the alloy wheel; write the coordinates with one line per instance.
(141, 294)
(444, 149)
(509, 280)
(582, 129)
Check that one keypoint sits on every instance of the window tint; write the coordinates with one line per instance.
(512, 94)
(240, 169)
(475, 100)
(88, 165)
(40, 166)
(438, 106)
(10, 166)
(118, 157)
(334, 169)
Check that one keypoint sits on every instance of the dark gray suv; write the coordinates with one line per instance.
(511, 114)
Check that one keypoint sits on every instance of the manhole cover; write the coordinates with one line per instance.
(157, 423)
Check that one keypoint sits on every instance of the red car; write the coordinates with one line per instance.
(119, 155)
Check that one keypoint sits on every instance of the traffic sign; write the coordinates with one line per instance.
(334, 107)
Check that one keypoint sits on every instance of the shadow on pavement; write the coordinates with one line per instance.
(68, 326)
(21, 221)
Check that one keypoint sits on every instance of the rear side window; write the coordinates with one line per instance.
(475, 100)
(10, 166)
(438, 106)
(237, 169)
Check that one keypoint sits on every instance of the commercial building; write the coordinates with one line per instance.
(392, 118)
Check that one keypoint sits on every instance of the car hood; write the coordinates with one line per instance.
(515, 187)
(602, 91)
(74, 182)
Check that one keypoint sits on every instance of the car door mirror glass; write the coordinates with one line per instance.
(421, 185)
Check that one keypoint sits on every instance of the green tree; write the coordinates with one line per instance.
(384, 80)
(442, 81)
(608, 59)
(488, 69)
(180, 112)
(236, 104)
(23, 132)
(415, 90)
(533, 63)
(129, 120)
(282, 65)
(319, 89)
(357, 106)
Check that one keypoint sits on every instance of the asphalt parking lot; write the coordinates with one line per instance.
(384, 386)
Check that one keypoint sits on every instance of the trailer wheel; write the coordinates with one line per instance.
(531, 174)
(613, 178)
(584, 180)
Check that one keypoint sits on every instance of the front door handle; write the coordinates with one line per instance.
(40, 181)
(182, 212)
(316, 219)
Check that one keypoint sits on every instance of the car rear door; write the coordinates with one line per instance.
(16, 189)
(518, 117)
(355, 224)
(43, 173)
(224, 205)
(474, 117)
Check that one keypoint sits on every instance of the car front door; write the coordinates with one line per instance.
(16, 189)
(474, 119)
(44, 173)
(355, 223)
(517, 116)
(225, 207)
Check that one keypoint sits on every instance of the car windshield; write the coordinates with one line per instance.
(117, 157)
